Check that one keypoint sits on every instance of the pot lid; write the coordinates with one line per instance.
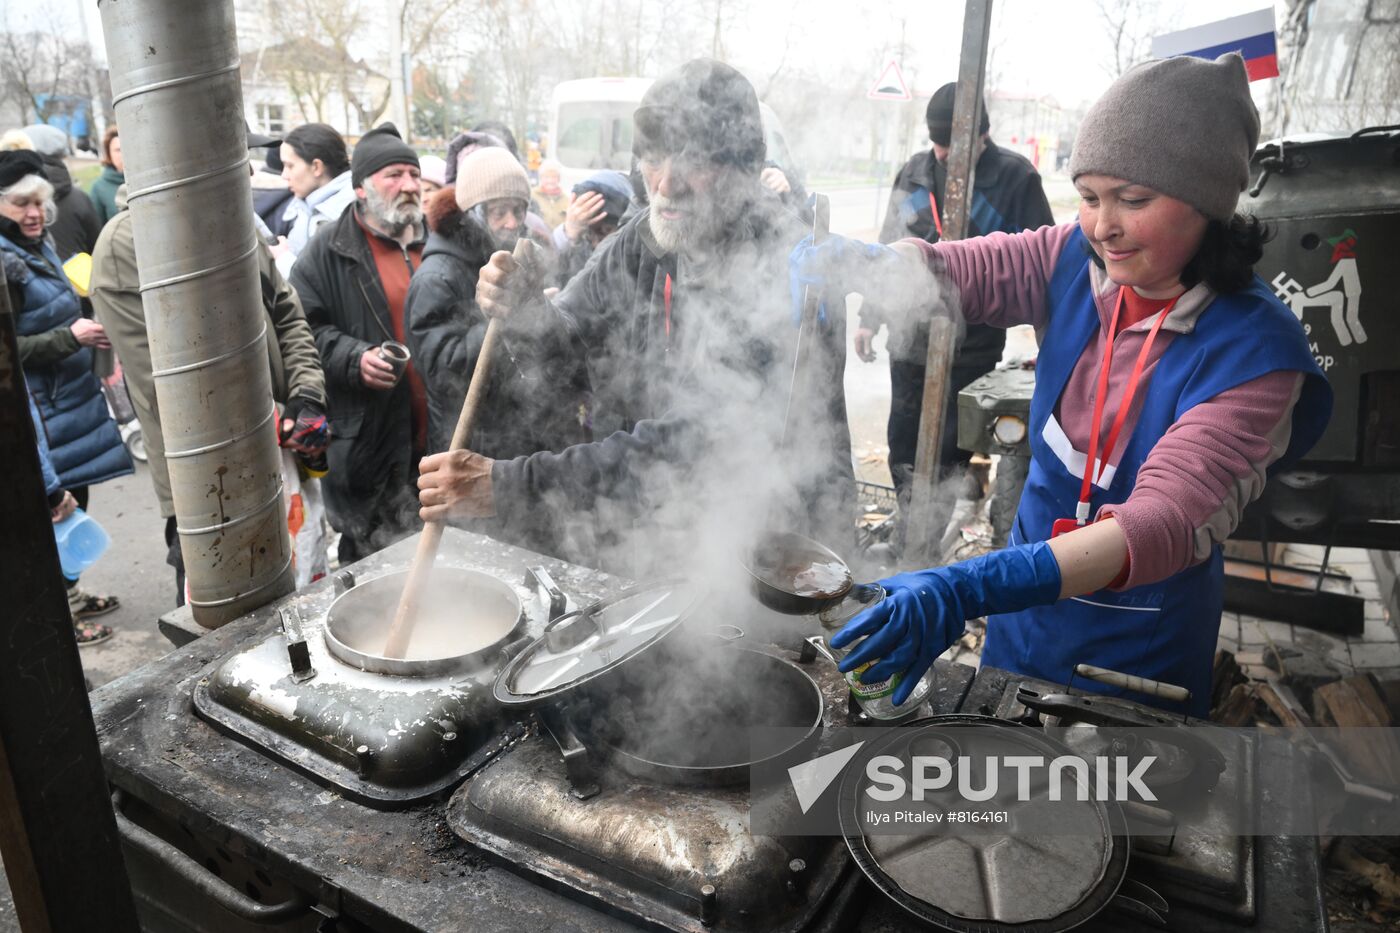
(987, 879)
(582, 646)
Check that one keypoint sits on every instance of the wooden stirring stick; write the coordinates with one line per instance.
(422, 569)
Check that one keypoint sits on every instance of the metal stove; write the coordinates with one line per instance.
(516, 849)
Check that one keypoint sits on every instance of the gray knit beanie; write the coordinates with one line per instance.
(1183, 126)
(488, 174)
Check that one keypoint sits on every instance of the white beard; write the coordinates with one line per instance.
(393, 219)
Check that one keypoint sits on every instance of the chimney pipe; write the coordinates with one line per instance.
(179, 103)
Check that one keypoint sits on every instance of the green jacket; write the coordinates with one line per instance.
(116, 299)
(104, 192)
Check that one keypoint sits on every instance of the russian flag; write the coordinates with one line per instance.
(1252, 35)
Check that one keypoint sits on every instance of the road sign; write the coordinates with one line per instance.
(890, 85)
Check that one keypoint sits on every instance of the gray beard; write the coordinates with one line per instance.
(670, 237)
(393, 220)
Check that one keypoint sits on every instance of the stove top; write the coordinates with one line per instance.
(380, 739)
(679, 858)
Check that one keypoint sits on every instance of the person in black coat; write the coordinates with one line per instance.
(352, 279)
(1007, 197)
(534, 401)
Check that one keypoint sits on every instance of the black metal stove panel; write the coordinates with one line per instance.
(383, 740)
(679, 858)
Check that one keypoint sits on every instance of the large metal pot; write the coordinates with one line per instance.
(683, 716)
(463, 621)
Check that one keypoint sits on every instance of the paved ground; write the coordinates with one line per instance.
(134, 570)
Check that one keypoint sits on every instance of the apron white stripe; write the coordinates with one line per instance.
(1073, 460)
(1090, 602)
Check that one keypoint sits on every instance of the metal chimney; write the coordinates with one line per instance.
(179, 103)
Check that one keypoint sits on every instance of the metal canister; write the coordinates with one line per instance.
(396, 355)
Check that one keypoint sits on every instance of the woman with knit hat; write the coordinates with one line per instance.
(1170, 382)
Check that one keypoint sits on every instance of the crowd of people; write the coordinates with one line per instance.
(664, 389)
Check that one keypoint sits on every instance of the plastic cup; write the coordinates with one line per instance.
(81, 541)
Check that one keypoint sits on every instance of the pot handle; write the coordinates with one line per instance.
(342, 581)
(201, 878)
(583, 778)
(539, 580)
(728, 633)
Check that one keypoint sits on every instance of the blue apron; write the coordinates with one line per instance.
(1165, 631)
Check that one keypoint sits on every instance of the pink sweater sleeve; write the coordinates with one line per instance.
(1196, 482)
(1001, 278)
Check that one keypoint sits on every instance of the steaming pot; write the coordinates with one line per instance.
(621, 682)
(465, 618)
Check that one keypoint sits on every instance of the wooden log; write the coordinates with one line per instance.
(1284, 704)
(1225, 675)
(1363, 738)
(1238, 708)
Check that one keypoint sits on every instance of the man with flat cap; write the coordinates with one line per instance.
(353, 281)
(1007, 197)
(688, 316)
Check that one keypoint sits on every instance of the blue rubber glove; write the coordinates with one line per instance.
(837, 265)
(925, 612)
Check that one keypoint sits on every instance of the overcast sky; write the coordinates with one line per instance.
(1059, 48)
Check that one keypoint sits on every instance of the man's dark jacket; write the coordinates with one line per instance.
(372, 433)
(77, 226)
(536, 390)
(1007, 197)
(697, 392)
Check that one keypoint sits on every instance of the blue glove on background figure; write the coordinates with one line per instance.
(837, 265)
(924, 612)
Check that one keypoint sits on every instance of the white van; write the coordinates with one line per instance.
(590, 127)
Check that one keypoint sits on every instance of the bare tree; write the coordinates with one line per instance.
(36, 68)
(334, 25)
(1130, 26)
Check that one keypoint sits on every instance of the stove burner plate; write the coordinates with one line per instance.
(647, 849)
(382, 740)
(1215, 871)
(651, 851)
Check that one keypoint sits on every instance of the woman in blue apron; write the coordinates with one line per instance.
(1170, 382)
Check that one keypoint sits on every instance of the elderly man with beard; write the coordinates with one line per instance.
(353, 280)
(687, 313)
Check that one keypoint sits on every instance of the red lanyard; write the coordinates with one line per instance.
(937, 221)
(1081, 515)
(667, 293)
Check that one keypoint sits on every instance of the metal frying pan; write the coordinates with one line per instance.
(795, 575)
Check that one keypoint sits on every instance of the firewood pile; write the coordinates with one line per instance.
(1282, 689)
